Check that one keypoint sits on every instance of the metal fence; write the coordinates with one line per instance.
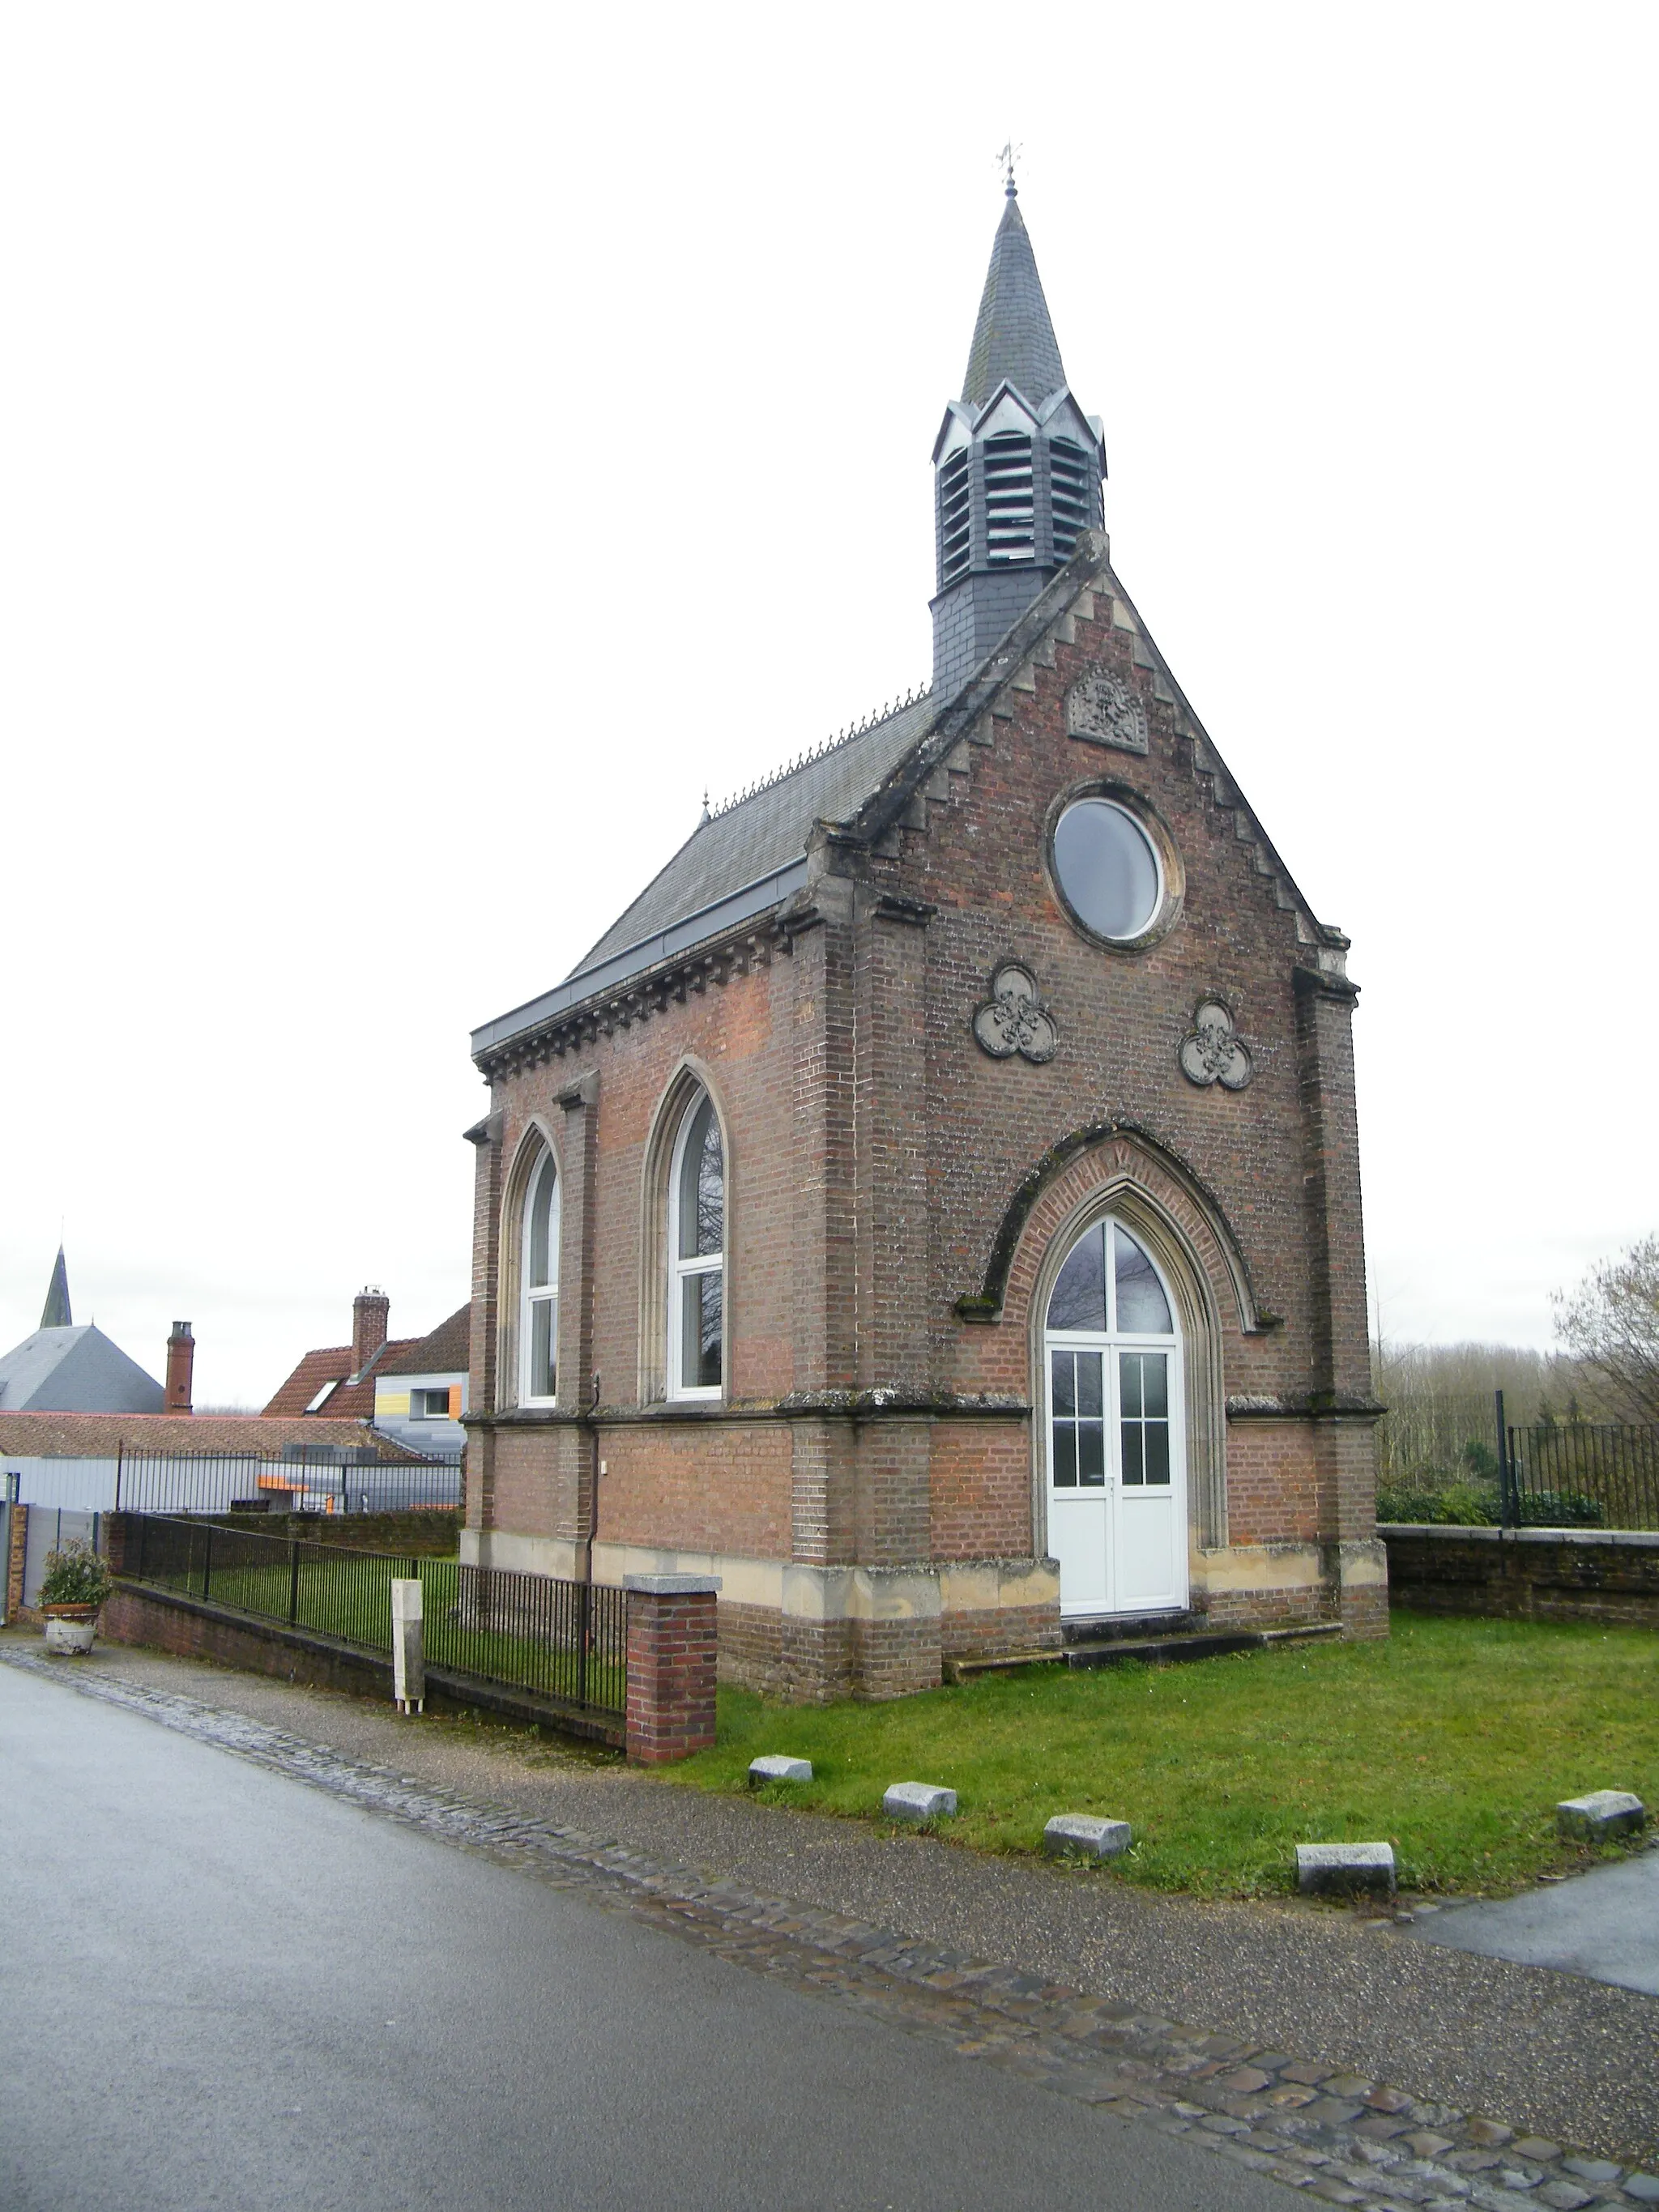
(214, 1482)
(1469, 1463)
(564, 1640)
(1589, 1474)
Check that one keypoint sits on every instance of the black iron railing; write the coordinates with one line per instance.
(318, 1482)
(564, 1640)
(1582, 1474)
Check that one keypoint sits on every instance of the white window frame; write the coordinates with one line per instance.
(533, 1295)
(680, 1270)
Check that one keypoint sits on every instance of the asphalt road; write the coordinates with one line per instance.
(1605, 1925)
(223, 1989)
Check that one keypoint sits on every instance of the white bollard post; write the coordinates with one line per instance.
(408, 1649)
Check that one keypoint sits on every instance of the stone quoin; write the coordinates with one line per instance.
(933, 1207)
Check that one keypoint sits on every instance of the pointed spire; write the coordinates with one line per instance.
(55, 1314)
(1013, 338)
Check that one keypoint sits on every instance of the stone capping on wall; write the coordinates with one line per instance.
(1477, 1532)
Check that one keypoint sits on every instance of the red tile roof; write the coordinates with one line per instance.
(332, 1364)
(95, 1436)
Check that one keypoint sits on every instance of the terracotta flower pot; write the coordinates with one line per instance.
(70, 1628)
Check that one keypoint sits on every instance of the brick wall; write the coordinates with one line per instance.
(881, 1167)
(1527, 1574)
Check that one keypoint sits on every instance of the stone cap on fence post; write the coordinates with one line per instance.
(673, 1650)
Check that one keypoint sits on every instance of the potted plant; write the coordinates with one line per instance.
(73, 1589)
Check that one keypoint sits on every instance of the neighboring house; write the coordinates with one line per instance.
(933, 1207)
(63, 1369)
(338, 1380)
(421, 1394)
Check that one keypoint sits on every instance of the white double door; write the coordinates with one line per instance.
(1117, 1487)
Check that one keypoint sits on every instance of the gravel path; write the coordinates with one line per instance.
(1539, 2051)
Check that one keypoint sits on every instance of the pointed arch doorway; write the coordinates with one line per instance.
(1114, 1430)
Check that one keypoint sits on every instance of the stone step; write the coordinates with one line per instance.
(1202, 1643)
(1117, 1627)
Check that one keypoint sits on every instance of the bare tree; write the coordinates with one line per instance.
(1611, 1323)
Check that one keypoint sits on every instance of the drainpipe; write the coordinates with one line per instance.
(592, 1535)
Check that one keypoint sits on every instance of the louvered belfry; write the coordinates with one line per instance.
(1017, 466)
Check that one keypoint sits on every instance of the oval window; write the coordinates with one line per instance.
(1107, 868)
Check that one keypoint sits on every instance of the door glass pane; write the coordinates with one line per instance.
(1089, 1403)
(1079, 1296)
(1157, 1452)
(1091, 1452)
(1155, 1376)
(1063, 1365)
(1142, 1308)
(1134, 1467)
(1065, 1456)
(1144, 1383)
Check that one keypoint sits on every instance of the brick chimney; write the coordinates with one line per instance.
(181, 1363)
(370, 1310)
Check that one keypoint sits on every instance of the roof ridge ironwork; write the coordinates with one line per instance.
(872, 722)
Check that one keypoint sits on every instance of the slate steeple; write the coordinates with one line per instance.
(1014, 339)
(1017, 465)
(55, 1314)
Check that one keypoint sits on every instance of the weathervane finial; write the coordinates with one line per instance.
(1007, 155)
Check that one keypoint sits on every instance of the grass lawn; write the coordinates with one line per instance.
(1453, 1740)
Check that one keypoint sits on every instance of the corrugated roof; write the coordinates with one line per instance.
(1014, 339)
(764, 832)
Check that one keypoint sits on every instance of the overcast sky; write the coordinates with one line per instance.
(441, 441)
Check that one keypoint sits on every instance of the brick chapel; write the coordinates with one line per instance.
(933, 1207)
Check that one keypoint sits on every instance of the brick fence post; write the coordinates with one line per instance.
(672, 1645)
(117, 1531)
(16, 1550)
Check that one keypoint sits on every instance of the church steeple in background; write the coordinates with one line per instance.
(1017, 465)
(55, 1314)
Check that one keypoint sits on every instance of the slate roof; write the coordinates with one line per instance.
(1014, 340)
(75, 1370)
(332, 1364)
(766, 830)
(447, 1350)
(55, 1314)
(95, 1436)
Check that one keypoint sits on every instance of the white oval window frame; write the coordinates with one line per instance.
(1166, 859)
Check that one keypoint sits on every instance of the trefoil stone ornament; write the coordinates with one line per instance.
(1102, 709)
(1212, 1052)
(1013, 1019)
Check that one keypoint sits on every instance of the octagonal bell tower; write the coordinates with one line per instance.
(1017, 466)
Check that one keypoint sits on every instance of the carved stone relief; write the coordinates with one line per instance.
(1212, 1052)
(1105, 710)
(1013, 1019)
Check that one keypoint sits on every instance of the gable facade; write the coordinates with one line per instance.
(1016, 1288)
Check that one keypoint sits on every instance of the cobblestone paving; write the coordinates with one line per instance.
(1342, 2139)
